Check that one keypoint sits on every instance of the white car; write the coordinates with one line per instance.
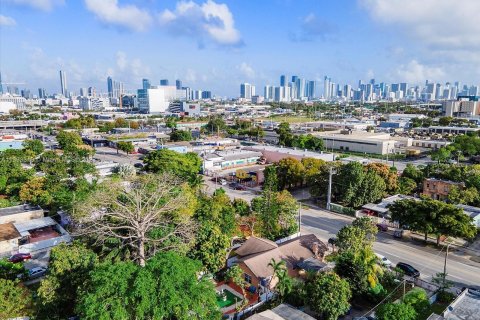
(383, 260)
(223, 182)
(37, 272)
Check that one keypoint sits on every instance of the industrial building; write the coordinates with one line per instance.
(361, 141)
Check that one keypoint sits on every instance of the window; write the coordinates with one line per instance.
(247, 278)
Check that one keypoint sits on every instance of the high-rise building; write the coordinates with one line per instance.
(1, 84)
(283, 81)
(146, 84)
(91, 92)
(178, 84)
(110, 87)
(300, 85)
(247, 91)
(404, 88)
(63, 83)
(42, 94)
(311, 90)
(115, 90)
(326, 88)
(164, 82)
(83, 92)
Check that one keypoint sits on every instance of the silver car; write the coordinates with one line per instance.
(37, 272)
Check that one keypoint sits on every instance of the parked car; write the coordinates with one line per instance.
(20, 257)
(240, 187)
(223, 182)
(138, 165)
(408, 269)
(382, 227)
(37, 272)
(383, 260)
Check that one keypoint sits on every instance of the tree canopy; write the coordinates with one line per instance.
(149, 214)
(185, 166)
(328, 295)
(433, 217)
(166, 288)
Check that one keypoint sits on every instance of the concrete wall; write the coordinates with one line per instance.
(40, 245)
(22, 216)
(7, 247)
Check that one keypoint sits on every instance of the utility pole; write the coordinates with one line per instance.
(445, 266)
(299, 218)
(329, 195)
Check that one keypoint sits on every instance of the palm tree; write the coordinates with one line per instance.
(279, 270)
(284, 285)
(277, 266)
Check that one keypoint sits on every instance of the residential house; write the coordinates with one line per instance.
(281, 312)
(465, 307)
(473, 212)
(438, 189)
(380, 209)
(254, 255)
(20, 213)
(25, 229)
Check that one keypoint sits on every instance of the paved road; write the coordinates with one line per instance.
(428, 261)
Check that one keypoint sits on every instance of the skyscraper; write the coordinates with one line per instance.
(283, 81)
(247, 91)
(164, 82)
(178, 84)
(146, 84)
(110, 87)
(1, 85)
(63, 83)
(326, 88)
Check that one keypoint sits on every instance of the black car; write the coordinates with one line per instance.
(408, 269)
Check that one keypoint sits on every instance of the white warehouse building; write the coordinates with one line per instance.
(157, 99)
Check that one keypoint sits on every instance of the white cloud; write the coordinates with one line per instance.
(126, 16)
(437, 23)
(7, 21)
(246, 70)
(415, 72)
(121, 60)
(45, 5)
(191, 76)
(208, 21)
(313, 27)
(128, 69)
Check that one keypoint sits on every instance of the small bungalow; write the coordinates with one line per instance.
(254, 255)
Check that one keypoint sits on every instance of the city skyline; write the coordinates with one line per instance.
(352, 40)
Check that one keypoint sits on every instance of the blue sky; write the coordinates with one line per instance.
(218, 44)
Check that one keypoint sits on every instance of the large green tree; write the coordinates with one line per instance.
(15, 300)
(181, 135)
(68, 270)
(328, 295)
(36, 146)
(185, 166)
(126, 146)
(395, 311)
(152, 213)
(168, 287)
(277, 212)
(290, 172)
(285, 136)
(216, 226)
(430, 216)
